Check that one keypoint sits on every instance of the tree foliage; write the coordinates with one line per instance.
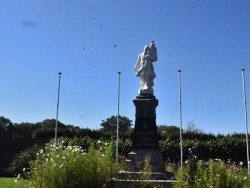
(23, 130)
(109, 126)
(192, 128)
(166, 131)
(43, 129)
(5, 127)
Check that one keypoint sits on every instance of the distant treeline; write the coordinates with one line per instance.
(46, 129)
(205, 146)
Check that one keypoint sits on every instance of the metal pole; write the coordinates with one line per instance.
(118, 111)
(179, 76)
(57, 108)
(245, 108)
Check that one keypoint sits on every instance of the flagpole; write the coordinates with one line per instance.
(118, 111)
(246, 122)
(181, 148)
(57, 108)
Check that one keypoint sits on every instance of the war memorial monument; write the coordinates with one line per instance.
(145, 143)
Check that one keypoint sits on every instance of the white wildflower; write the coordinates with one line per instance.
(69, 147)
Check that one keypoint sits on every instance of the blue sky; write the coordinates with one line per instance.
(90, 41)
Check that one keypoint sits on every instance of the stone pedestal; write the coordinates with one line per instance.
(145, 149)
(145, 143)
(145, 130)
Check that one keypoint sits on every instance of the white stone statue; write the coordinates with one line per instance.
(145, 70)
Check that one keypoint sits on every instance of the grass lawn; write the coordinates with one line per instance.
(10, 183)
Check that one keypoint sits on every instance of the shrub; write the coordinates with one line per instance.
(211, 174)
(21, 163)
(69, 166)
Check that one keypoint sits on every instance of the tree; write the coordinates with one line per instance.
(24, 130)
(171, 132)
(193, 128)
(4, 124)
(46, 129)
(109, 125)
(10, 130)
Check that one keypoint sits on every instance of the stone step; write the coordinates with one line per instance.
(144, 175)
(128, 183)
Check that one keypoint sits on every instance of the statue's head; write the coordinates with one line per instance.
(146, 48)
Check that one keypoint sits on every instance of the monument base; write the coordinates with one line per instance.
(128, 183)
(144, 163)
(138, 159)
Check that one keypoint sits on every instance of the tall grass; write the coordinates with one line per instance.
(71, 167)
(211, 174)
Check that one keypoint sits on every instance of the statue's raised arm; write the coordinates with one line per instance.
(153, 51)
(145, 70)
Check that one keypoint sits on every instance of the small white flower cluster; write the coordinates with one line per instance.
(56, 155)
